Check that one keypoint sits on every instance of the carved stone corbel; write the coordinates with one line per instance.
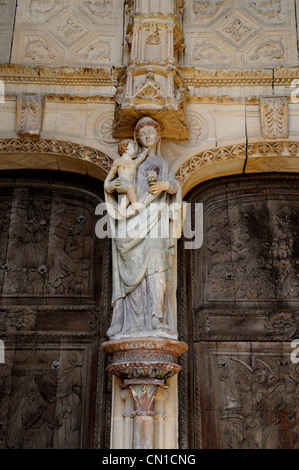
(274, 117)
(29, 116)
(144, 365)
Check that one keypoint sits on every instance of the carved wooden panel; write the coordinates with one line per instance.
(54, 312)
(248, 399)
(238, 300)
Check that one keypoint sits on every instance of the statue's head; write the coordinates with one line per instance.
(148, 132)
(127, 145)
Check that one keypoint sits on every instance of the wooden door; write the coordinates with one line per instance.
(54, 293)
(238, 301)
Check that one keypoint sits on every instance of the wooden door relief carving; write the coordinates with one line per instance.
(54, 291)
(240, 315)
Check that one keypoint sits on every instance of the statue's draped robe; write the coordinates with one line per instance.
(143, 260)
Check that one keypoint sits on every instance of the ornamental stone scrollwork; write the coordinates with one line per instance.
(192, 76)
(268, 11)
(207, 9)
(270, 48)
(40, 51)
(248, 33)
(198, 128)
(63, 76)
(209, 157)
(152, 358)
(103, 129)
(69, 29)
(237, 30)
(204, 77)
(101, 11)
(205, 52)
(100, 49)
(39, 8)
(254, 150)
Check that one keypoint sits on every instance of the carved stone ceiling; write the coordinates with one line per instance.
(7, 12)
(70, 33)
(238, 33)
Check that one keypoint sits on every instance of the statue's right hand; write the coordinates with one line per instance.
(118, 185)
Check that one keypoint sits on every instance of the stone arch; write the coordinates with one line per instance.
(256, 157)
(46, 154)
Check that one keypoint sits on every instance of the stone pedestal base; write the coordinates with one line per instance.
(144, 365)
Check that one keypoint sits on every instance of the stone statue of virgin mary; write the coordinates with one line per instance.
(144, 279)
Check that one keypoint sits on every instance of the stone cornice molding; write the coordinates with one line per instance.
(244, 77)
(88, 76)
(69, 98)
(285, 75)
(108, 76)
(200, 77)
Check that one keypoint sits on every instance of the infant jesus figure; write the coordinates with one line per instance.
(126, 169)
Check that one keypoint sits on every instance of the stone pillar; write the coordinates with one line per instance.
(144, 365)
(144, 394)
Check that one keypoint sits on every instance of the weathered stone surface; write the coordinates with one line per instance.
(240, 34)
(142, 250)
(57, 33)
(7, 15)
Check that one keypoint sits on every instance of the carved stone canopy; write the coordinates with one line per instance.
(157, 92)
(152, 84)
